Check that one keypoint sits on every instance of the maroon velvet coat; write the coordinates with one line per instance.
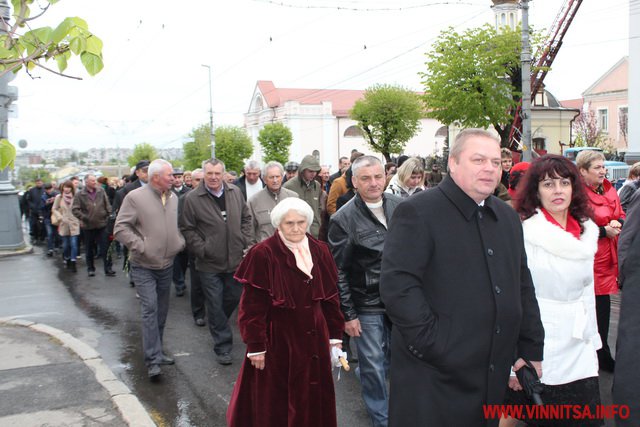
(292, 317)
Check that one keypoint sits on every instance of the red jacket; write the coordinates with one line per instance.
(606, 207)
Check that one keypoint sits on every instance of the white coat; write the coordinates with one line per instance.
(562, 271)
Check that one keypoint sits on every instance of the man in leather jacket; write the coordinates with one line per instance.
(356, 236)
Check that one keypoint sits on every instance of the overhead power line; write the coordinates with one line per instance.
(362, 9)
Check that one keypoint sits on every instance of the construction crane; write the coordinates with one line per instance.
(541, 64)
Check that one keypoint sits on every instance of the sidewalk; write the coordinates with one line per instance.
(51, 378)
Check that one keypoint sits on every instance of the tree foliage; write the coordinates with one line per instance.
(473, 79)
(233, 146)
(199, 149)
(389, 116)
(275, 139)
(144, 151)
(27, 176)
(21, 45)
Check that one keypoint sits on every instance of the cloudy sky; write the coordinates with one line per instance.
(154, 88)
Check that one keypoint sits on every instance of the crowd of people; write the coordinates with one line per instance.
(446, 285)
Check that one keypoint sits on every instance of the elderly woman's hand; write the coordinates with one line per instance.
(257, 361)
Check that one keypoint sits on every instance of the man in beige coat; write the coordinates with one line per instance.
(262, 203)
(147, 224)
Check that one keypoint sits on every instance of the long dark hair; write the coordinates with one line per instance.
(553, 166)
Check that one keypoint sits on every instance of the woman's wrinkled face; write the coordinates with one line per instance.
(595, 174)
(293, 226)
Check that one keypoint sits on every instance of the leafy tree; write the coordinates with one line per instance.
(473, 79)
(144, 151)
(275, 139)
(198, 150)
(389, 116)
(233, 146)
(28, 175)
(35, 47)
(587, 131)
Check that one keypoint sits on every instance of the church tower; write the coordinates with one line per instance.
(507, 13)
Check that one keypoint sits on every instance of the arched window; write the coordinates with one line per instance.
(258, 105)
(353, 132)
(512, 20)
(503, 18)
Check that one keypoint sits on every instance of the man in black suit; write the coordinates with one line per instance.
(456, 286)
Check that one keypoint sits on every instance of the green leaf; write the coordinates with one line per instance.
(79, 22)
(94, 45)
(78, 45)
(7, 154)
(92, 63)
(62, 30)
(62, 62)
(42, 35)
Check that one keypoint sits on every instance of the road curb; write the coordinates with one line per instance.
(128, 404)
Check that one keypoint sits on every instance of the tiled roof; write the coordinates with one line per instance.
(342, 100)
(573, 103)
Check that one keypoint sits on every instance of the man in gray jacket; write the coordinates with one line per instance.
(148, 225)
(92, 208)
(216, 224)
(262, 203)
(309, 190)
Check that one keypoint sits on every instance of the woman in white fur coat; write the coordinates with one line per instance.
(561, 241)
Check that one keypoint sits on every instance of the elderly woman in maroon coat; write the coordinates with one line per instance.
(289, 318)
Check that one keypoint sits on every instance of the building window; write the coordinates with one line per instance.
(512, 20)
(538, 144)
(503, 18)
(603, 119)
(353, 132)
(259, 105)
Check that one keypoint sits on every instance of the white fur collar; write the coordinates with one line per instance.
(540, 232)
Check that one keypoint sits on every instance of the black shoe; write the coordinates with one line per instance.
(110, 273)
(153, 371)
(50, 252)
(199, 322)
(72, 267)
(92, 273)
(67, 264)
(224, 359)
(180, 293)
(166, 360)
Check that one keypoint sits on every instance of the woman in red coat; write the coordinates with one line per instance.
(289, 317)
(609, 217)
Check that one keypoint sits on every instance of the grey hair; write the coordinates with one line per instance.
(364, 161)
(299, 206)
(271, 165)
(252, 164)
(462, 137)
(197, 170)
(214, 162)
(585, 158)
(155, 167)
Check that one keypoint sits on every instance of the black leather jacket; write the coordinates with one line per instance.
(356, 238)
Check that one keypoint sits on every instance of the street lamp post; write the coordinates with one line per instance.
(212, 136)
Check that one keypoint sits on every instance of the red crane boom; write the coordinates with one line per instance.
(541, 64)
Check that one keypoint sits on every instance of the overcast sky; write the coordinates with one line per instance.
(154, 89)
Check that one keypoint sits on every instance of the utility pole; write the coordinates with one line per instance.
(11, 237)
(525, 60)
(212, 136)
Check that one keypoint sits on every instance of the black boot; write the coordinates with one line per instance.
(72, 266)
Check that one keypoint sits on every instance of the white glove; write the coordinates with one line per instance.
(336, 354)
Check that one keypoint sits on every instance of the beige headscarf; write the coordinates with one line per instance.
(301, 252)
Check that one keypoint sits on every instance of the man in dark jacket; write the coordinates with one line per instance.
(138, 179)
(92, 208)
(216, 225)
(250, 182)
(48, 198)
(356, 237)
(181, 260)
(456, 286)
(34, 204)
(627, 374)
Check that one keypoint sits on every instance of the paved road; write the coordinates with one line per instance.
(104, 313)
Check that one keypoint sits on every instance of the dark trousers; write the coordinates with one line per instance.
(36, 227)
(180, 263)
(99, 236)
(154, 288)
(222, 295)
(603, 315)
(197, 294)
